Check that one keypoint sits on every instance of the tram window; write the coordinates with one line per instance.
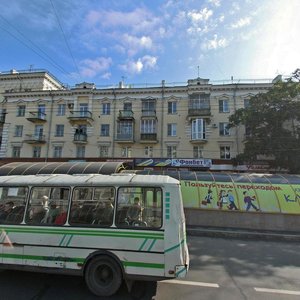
(12, 204)
(139, 207)
(92, 206)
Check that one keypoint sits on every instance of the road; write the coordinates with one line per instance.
(227, 269)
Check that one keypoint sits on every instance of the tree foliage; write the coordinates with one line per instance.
(272, 122)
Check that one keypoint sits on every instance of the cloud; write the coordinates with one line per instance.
(215, 43)
(133, 44)
(146, 62)
(215, 2)
(241, 23)
(197, 16)
(92, 67)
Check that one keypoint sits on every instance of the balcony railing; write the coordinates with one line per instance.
(149, 113)
(125, 114)
(35, 139)
(124, 137)
(80, 138)
(36, 116)
(193, 112)
(148, 137)
(82, 117)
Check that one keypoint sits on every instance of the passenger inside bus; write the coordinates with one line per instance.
(134, 211)
(6, 210)
(37, 213)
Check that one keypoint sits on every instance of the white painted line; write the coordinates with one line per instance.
(286, 292)
(194, 283)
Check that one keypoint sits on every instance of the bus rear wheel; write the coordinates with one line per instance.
(103, 276)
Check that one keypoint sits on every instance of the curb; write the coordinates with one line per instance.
(243, 234)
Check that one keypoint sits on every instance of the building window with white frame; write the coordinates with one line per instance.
(106, 109)
(103, 151)
(148, 126)
(172, 129)
(148, 151)
(18, 130)
(59, 130)
(198, 152)
(198, 129)
(57, 151)
(80, 151)
(21, 110)
(224, 106)
(126, 152)
(104, 131)
(61, 109)
(225, 152)
(223, 129)
(16, 151)
(172, 107)
(246, 103)
(36, 153)
(171, 151)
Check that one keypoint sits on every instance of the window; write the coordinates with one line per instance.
(83, 108)
(225, 152)
(103, 151)
(12, 203)
(125, 130)
(21, 111)
(19, 130)
(39, 132)
(172, 107)
(223, 129)
(36, 151)
(57, 153)
(93, 206)
(106, 109)
(198, 129)
(148, 105)
(148, 126)
(198, 152)
(199, 101)
(48, 205)
(246, 103)
(59, 131)
(148, 151)
(172, 129)
(42, 111)
(80, 151)
(139, 207)
(16, 151)
(171, 151)
(104, 131)
(224, 106)
(126, 152)
(61, 110)
(127, 106)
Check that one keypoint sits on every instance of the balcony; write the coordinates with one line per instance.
(80, 138)
(149, 138)
(124, 138)
(199, 112)
(80, 117)
(149, 114)
(125, 115)
(36, 117)
(198, 138)
(35, 139)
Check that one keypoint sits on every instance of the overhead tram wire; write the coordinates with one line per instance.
(61, 69)
(65, 39)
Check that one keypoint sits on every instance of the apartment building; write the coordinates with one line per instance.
(187, 121)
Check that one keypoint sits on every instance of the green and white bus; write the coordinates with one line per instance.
(107, 228)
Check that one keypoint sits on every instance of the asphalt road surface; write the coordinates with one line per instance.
(220, 268)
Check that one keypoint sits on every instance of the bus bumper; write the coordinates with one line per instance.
(181, 271)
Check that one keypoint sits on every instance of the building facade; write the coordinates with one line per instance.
(168, 122)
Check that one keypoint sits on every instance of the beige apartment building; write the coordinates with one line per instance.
(42, 119)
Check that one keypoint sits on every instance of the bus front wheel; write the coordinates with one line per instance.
(103, 276)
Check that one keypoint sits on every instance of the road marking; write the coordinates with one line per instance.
(287, 292)
(194, 283)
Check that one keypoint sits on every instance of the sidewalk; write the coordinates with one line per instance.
(241, 233)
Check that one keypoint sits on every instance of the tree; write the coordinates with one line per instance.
(272, 122)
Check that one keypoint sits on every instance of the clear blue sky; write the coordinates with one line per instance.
(103, 41)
